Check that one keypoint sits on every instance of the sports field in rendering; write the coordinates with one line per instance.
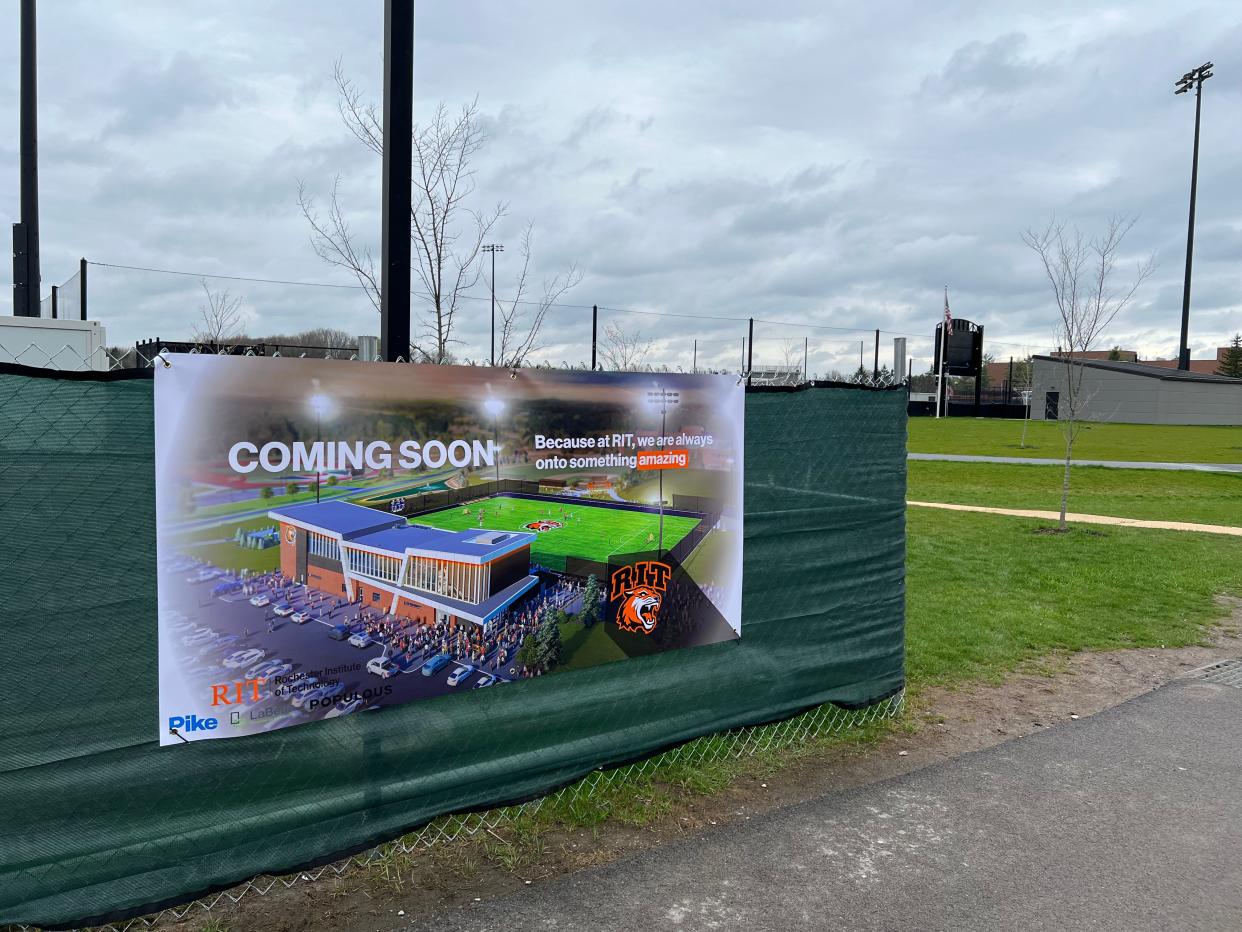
(590, 531)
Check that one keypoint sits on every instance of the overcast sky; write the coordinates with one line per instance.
(804, 162)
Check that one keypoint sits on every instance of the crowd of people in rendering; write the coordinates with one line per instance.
(492, 648)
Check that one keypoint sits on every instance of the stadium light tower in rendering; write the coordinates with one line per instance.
(495, 407)
(493, 248)
(322, 406)
(662, 399)
(1191, 79)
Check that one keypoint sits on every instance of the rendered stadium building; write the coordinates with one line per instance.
(422, 573)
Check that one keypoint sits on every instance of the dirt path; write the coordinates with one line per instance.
(1087, 519)
(941, 723)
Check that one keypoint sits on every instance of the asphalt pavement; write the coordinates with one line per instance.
(1107, 464)
(1127, 820)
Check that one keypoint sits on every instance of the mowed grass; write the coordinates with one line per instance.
(986, 593)
(594, 533)
(1142, 443)
(1204, 498)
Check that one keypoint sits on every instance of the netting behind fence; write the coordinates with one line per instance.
(97, 820)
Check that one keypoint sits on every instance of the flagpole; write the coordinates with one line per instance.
(944, 339)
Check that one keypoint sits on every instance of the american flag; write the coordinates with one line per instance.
(948, 316)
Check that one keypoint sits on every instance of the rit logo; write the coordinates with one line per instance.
(645, 574)
(236, 693)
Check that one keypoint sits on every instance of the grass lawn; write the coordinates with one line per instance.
(1147, 443)
(1206, 498)
(229, 556)
(985, 593)
(597, 533)
(216, 545)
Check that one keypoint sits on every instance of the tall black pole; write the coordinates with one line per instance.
(875, 365)
(1183, 354)
(26, 278)
(594, 332)
(806, 355)
(493, 251)
(398, 172)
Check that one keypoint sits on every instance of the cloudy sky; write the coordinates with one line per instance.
(813, 165)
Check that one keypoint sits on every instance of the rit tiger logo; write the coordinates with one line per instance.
(640, 588)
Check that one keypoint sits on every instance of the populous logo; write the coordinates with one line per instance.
(543, 525)
(396, 506)
(291, 533)
(639, 588)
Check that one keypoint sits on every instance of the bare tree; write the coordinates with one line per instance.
(623, 351)
(1080, 273)
(447, 234)
(220, 317)
(1023, 373)
(519, 329)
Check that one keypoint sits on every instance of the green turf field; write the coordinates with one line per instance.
(595, 534)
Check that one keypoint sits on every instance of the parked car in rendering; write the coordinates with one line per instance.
(436, 664)
(300, 618)
(314, 698)
(283, 609)
(484, 681)
(361, 639)
(260, 600)
(383, 667)
(345, 708)
(339, 632)
(459, 675)
(244, 658)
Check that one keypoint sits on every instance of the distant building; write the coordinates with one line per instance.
(1136, 393)
(998, 372)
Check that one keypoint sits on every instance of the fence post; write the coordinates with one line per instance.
(806, 353)
(55, 289)
(875, 366)
(82, 285)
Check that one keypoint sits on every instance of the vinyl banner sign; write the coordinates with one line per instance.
(337, 536)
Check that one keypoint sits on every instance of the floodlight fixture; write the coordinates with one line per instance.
(1191, 79)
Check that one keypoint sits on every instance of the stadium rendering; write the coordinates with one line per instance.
(421, 573)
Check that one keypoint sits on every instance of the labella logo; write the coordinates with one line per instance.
(640, 588)
(183, 723)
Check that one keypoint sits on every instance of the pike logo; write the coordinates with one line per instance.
(640, 588)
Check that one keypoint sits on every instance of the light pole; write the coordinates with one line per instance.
(662, 398)
(320, 405)
(493, 248)
(495, 407)
(1191, 79)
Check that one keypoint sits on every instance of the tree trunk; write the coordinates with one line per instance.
(1025, 420)
(1065, 482)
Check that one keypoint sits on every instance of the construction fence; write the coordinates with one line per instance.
(99, 823)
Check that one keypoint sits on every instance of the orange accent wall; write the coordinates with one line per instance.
(325, 580)
(288, 553)
(408, 608)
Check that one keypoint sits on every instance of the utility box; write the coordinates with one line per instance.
(75, 345)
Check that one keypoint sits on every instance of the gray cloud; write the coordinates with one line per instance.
(828, 167)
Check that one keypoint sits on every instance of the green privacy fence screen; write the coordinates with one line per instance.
(97, 821)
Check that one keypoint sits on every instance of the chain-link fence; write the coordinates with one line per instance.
(734, 744)
(109, 822)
